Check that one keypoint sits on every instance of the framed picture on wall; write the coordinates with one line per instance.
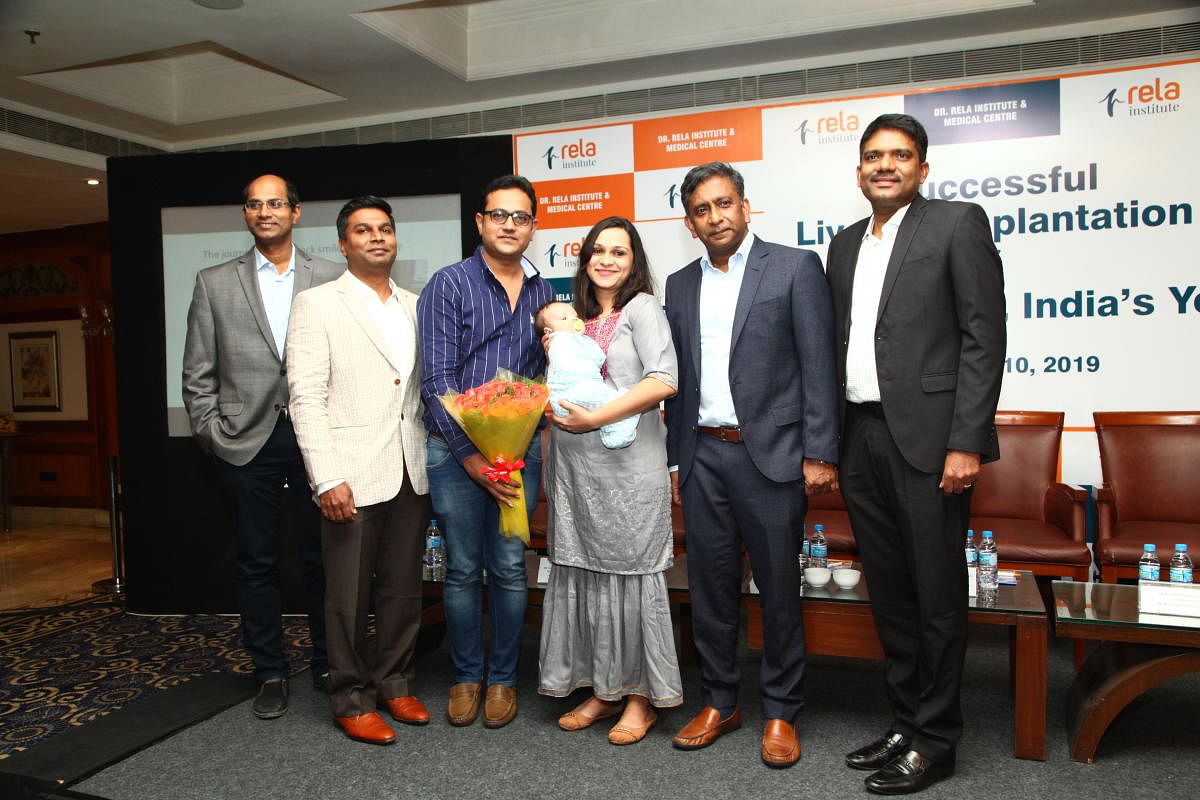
(33, 360)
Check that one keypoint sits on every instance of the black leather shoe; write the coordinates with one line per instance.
(879, 752)
(321, 681)
(272, 698)
(907, 773)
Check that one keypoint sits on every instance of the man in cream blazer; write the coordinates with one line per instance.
(356, 407)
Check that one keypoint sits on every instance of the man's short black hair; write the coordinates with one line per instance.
(509, 182)
(293, 194)
(357, 204)
(898, 122)
(713, 169)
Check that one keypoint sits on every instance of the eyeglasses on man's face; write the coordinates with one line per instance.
(274, 204)
(499, 216)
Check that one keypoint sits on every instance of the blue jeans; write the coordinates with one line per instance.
(470, 521)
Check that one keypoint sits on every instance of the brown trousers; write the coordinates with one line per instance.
(373, 562)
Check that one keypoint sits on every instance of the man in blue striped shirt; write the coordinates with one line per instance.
(473, 318)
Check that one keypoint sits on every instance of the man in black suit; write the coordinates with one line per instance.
(753, 426)
(918, 294)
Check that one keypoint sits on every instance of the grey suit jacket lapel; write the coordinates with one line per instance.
(904, 238)
(304, 273)
(751, 278)
(358, 309)
(248, 274)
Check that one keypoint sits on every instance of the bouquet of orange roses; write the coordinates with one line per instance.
(500, 417)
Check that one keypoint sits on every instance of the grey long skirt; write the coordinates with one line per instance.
(610, 632)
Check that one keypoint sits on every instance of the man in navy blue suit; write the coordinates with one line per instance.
(752, 430)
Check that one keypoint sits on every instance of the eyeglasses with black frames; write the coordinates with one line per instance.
(499, 216)
(274, 204)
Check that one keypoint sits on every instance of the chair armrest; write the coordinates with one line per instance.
(1106, 511)
(1064, 508)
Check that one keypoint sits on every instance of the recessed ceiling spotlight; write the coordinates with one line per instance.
(219, 5)
(93, 181)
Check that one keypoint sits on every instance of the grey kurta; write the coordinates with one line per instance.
(607, 620)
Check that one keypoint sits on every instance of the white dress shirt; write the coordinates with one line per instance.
(397, 330)
(718, 302)
(276, 290)
(862, 377)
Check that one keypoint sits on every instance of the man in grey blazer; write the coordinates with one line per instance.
(236, 394)
(918, 293)
(752, 428)
(356, 402)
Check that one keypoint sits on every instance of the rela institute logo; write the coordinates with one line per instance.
(671, 194)
(1160, 97)
(572, 155)
(550, 155)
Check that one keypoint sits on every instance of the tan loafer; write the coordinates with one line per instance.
(780, 744)
(463, 707)
(628, 734)
(576, 720)
(500, 706)
(706, 727)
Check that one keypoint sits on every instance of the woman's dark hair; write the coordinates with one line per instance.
(639, 280)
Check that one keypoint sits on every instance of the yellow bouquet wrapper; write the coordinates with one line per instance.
(500, 417)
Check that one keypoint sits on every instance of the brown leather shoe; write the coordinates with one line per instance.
(705, 727)
(369, 728)
(780, 744)
(463, 707)
(408, 710)
(500, 706)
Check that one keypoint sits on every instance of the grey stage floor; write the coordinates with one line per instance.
(1152, 750)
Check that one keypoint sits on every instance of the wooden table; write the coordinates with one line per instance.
(838, 622)
(1137, 653)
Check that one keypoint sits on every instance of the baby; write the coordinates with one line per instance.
(574, 371)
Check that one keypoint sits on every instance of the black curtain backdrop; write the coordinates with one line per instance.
(179, 547)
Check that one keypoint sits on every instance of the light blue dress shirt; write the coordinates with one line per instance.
(276, 293)
(718, 302)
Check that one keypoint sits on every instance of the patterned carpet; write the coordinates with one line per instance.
(68, 665)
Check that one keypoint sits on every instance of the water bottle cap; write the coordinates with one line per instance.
(433, 522)
(818, 527)
(1150, 548)
(987, 534)
(970, 532)
(1181, 548)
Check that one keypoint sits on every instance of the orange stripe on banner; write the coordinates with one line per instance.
(581, 202)
(1090, 428)
(671, 142)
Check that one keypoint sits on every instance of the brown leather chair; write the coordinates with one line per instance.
(829, 509)
(1150, 462)
(1038, 522)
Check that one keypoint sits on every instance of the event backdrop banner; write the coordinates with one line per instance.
(1090, 205)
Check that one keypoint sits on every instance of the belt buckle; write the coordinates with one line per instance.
(724, 437)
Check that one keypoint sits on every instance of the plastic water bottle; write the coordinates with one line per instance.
(972, 553)
(988, 562)
(1149, 566)
(433, 563)
(803, 546)
(1181, 565)
(818, 548)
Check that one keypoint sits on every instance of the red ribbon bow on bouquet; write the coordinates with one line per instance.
(502, 468)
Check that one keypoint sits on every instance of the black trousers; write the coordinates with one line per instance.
(728, 505)
(374, 561)
(910, 536)
(257, 492)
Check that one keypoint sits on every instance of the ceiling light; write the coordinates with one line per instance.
(219, 5)
(93, 181)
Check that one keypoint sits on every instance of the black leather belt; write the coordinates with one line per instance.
(725, 434)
